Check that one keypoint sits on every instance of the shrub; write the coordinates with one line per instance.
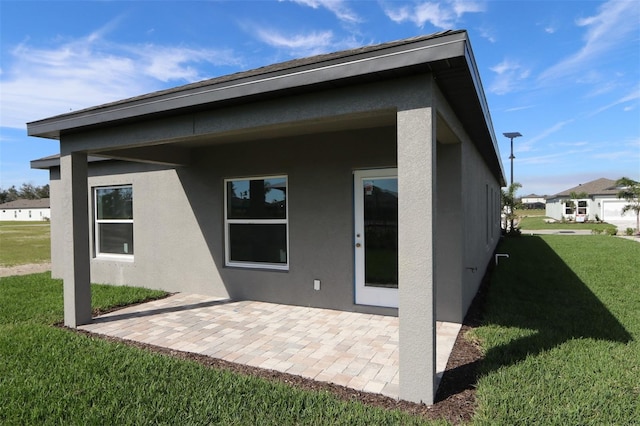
(628, 231)
(596, 231)
(611, 231)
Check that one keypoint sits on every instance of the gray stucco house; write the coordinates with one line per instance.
(365, 180)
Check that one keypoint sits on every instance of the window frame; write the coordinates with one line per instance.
(249, 221)
(569, 208)
(582, 207)
(97, 222)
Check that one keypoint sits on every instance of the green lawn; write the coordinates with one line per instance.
(530, 212)
(562, 333)
(561, 338)
(50, 375)
(24, 242)
(532, 223)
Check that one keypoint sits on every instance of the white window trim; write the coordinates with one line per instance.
(96, 234)
(227, 222)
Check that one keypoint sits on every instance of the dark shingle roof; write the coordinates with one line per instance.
(446, 55)
(273, 69)
(600, 186)
(42, 203)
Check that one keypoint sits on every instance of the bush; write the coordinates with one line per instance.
(611, 231)
(628, 231)
(515, 232)
(596, 231)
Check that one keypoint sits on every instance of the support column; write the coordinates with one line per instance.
(75, 225)
(416, 264)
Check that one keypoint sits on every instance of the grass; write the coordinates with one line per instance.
(24, 242)
(538, 222)
(561, 338)
(530, 212)
(50, 375)
(561, 333)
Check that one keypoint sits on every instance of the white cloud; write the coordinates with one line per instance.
(551, 158)
(520, 108)
(74, 74)
(616, 155)
(509, 76)
(634, 96)
(488, 33)
(439, 14)
(301, 45)
(528, 143)
(337, 7)
(461, 7)
(299, 42)
(615, 23)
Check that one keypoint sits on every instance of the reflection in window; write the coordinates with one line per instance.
(582, 207)
(114, 220)
(381, 232)
(256, 225)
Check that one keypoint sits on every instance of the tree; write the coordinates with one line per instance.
(42, 191)
(27, 191)
(10, 194)
(509, 205)
(630, 191)
(575, 196)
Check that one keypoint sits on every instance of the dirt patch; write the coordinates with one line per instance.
(33, 268)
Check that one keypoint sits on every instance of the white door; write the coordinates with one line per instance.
(376, 237)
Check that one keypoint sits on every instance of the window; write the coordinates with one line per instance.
(582, 207)
(256, 224)
(114, 220)
(568, 207)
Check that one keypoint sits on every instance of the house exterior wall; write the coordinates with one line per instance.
(608, 208)
(179, 219)
(300, 123)
(25, 214)
(182, 247)
(468, 218)
(57, 242)
(554, 208)
(481, 221)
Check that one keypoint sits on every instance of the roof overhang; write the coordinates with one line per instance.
(446, 55)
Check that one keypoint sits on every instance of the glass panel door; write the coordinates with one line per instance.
(376, 238)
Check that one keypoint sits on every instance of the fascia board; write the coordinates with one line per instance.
(397, 57)
(48, 163)
(477, 83)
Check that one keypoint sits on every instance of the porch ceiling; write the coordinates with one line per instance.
(178, 152)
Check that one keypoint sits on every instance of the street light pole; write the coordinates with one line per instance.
(512, 135)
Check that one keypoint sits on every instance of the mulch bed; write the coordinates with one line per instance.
(455, 399)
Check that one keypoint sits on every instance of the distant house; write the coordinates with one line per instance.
(338, 181)
(28, 210)
(533, 201)
(601, 203)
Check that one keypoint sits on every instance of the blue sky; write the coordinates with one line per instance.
(565, 74)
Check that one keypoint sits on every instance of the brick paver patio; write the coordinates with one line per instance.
(356, 350)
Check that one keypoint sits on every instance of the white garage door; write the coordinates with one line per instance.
(612, 210)
(612, 213)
